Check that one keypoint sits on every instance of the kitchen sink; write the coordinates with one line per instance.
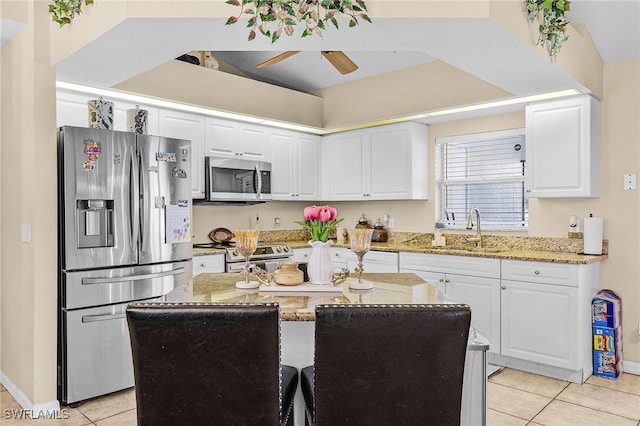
(470, 249)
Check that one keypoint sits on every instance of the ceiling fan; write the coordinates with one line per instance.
(338, 59)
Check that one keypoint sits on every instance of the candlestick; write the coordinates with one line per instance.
(360, 242)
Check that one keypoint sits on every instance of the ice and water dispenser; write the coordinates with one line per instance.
(95, 223)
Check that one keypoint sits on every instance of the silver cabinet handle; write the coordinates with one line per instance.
(536, 272)
(103, 317)
(504, 287)
(89, 280)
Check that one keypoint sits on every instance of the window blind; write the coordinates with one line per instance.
(486, 171)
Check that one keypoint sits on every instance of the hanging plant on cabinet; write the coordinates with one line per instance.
(553, 23)
(273, 17)
(63, 11)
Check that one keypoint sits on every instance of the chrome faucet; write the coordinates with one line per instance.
(478, 238)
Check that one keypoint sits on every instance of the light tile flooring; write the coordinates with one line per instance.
(515, 398)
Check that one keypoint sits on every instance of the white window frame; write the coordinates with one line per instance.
(443, 222)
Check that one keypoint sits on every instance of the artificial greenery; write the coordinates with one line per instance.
(553, 23)
(63, 11)
(273, 17)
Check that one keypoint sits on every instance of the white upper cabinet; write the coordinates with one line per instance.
(181, 125)
(294, 165)
(232, 139)
(563, 148)
(72, 110)
(379, 163)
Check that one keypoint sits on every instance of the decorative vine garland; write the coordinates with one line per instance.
(285, 14)
(553, 23)
(63, 11)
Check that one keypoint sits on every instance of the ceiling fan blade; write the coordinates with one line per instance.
(278, 58)
(340, 61)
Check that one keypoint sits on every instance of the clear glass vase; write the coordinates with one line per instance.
(320, 265)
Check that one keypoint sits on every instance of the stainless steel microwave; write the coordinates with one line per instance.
(231, 180)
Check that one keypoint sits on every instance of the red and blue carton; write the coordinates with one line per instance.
(606, 321)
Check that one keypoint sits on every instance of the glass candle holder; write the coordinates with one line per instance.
(246, 244)
(360, 242)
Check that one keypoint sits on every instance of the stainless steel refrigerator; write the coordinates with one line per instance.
(124, 234)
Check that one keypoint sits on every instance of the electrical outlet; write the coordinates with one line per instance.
(391, 223)
(276, 222)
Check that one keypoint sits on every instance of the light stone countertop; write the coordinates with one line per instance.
(496, 252)
(399, 288)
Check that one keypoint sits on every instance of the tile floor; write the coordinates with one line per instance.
(514, 398)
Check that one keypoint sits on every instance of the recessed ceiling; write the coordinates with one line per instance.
(309, 71)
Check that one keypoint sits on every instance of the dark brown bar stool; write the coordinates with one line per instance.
(210, 364)
(387, 365)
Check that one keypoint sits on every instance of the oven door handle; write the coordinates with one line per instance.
(103, 317)
(89, 280)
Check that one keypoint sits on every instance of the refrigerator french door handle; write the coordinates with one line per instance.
(135, 200)
(259, 182)
(90, 280)
(103, 317)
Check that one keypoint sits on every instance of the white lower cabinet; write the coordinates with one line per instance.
(301, 255)
(374, 261)
(537, 323)
(470, 280)
(209, 264)
(546, 316)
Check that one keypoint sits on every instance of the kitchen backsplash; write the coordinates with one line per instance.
(563, 245)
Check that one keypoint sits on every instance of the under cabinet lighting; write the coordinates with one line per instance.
(503, 102)
(138, 99)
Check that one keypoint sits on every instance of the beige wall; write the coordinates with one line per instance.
(28, 169)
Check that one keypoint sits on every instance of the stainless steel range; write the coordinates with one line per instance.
(266, 257)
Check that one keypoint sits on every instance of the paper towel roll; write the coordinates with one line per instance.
(593, 227)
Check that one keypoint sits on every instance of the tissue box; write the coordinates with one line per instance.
(606, 309)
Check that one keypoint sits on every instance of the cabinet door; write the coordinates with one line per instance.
(71, 109)
(539, 323)
(282, 146)
(221, 138)
(344, 167)
(306, 168)
(563, 148)
(483, 295)
(252, 142)
(390, 168)
(436, 279)
(180, 125)
(120, 116)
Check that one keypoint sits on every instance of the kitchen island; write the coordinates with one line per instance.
(298, 316)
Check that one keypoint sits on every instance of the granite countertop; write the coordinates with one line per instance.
(538, 254)
(388, 289)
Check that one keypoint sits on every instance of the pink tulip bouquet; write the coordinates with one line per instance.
(320, 221)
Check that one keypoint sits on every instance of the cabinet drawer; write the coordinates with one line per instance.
(540, 272)
(209, 264)
(461, 265)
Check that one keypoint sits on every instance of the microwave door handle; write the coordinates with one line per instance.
(259, 182)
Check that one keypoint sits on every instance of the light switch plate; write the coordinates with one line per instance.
(629, 181)
(26, 233)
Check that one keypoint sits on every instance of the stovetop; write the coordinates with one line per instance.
(270, 251)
